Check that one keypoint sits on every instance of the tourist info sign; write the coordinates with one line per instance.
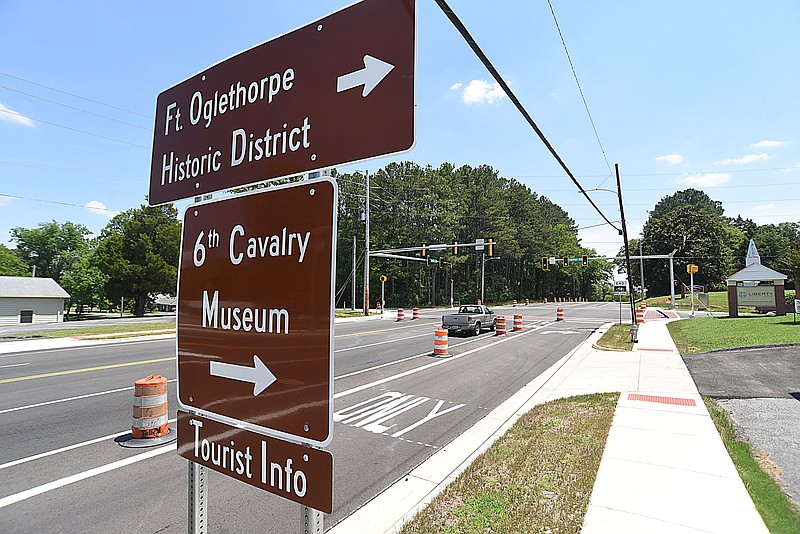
(301, 474)
(255, 319)
(335, 91)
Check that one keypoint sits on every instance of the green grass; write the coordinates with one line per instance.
(100, 330)
(618, 337)
(702, 334)
(777, 511)
(538, 477)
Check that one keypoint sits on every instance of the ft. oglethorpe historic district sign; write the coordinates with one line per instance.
(255, 320)
(335, 91)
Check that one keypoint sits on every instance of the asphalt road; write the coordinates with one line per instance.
(760, 387)
(60, 410)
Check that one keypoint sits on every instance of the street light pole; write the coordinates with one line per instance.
(366, 252)
(483, 265)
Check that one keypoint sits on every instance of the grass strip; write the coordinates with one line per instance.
(618, 337)
(777, 511)
(702, 334)
(538, 477)
(100, 330)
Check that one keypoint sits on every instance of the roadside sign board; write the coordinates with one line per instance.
(255, 319)
(301, 474)
(338, 90)
(620, 288)
(797, 305)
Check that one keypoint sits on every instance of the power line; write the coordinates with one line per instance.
(76, 96)
(75, 108)
(17, 197)
(76, 129)
(499, 79)
(68, 171)
(580, 90)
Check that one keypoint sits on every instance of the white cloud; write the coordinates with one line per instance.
(97, 207)
(9, 115)
(769, 144)
(456, 86)
(744, 160)
(481, 92)
(708, 179)
(762, 207)
(672, 159)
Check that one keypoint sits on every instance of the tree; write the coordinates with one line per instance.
(11, 264)
(688, 197)
(701, 238)
(138, 252)
(85, 283)
(51, 247)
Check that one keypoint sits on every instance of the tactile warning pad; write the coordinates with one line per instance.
(663, 400)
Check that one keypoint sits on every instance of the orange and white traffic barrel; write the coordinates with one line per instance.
(401, 314)
(639, 315)
(500, 326)
(517, 322)
(440, 342)
(514, 303)
(527, 302)
(560, 314)
(545, 300)
(644, 305)
(150, 423)
(414, 313)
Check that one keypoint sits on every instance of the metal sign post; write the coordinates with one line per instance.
(198, 499)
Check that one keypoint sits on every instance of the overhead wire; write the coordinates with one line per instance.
(74, 95)
(580, 90)
(451, 15)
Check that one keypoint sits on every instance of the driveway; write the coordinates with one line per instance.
(760, 387)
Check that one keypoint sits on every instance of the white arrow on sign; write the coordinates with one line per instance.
(370, 76)
(259, 375)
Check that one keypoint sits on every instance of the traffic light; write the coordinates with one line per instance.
(455, 249)
(491, 248)
(545, 264)
(566, 261)
(424, 250)
(585, 260)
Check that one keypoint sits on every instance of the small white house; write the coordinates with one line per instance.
(30, 300)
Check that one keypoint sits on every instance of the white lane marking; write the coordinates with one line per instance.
(433, 364)
(14, 365)
(44, 488)
(67, 448)
(381, 343)
(401, 360)
(38, 404)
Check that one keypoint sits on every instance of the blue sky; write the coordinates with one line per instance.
(682, 94)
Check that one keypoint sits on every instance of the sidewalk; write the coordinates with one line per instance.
(664, 467)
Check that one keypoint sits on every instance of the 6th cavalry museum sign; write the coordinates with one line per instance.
(255, 319)
(335, 91)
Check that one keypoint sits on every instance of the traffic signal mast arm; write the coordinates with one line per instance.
(443, 246)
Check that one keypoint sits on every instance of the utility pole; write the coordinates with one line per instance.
(641, 269)
(366, 253)
(353, 302)
(483, 266)
(627, 250)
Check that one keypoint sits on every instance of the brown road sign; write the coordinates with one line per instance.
(301, 474)
(335, 91)
(255, 311)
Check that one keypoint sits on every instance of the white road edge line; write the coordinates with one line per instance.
(44, 488)
(68, 448)
(380, 343)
